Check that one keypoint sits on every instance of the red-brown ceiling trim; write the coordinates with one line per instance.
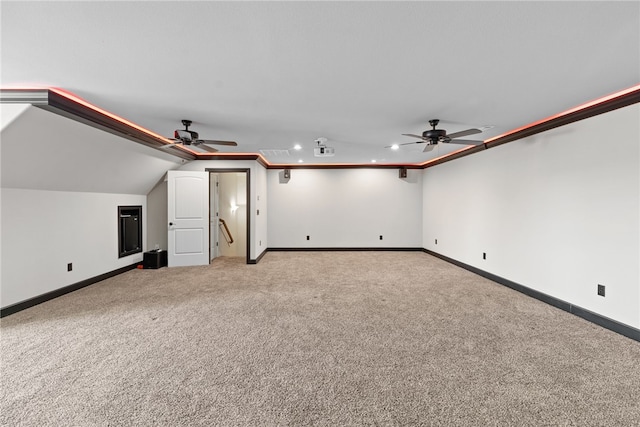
(233, 156)
(342, 166)
(68, 105)
(455, 155)
(71, 106)
(602, 105)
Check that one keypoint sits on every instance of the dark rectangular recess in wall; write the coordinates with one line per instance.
(129, 230)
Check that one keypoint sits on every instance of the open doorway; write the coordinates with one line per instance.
(228, 221)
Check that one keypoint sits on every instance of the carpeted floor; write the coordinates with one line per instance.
(312, 338)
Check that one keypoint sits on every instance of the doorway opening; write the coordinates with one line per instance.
(229, 206)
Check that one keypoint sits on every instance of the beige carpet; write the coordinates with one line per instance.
(312, 338)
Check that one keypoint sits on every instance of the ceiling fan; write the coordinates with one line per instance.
(189, 137)
(434, 136)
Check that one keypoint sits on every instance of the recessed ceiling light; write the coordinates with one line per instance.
(395, 146)
(300, 161)
(373, 161)
(297, 147)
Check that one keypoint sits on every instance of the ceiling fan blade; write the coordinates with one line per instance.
(409, 143)
(412, 135)
(167, 146)
(204, 147)
(216, 142)
(428, 148)
(465, 142)
(464, 133)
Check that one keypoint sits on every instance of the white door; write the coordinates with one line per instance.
(188, 214)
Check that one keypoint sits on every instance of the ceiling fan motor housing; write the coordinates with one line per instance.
(186, 136)
(434, 135)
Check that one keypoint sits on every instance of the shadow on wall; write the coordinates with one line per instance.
(157, 216)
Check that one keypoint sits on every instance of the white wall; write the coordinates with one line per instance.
(344, 208)
(42, 231)
(557, 212)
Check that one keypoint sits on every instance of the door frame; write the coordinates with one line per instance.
(214, 250)
(249, 212)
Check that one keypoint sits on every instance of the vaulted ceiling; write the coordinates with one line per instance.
(271, 75)
(42, 150)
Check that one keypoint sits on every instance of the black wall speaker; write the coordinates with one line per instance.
(403, 172)
(287, 173)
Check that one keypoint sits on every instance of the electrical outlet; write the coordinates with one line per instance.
(601, 290)
(70, 266)
(436, 241)
(381, 237)
(307, 237)
(484, 255)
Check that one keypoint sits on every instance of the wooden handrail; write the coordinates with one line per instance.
(226, 229)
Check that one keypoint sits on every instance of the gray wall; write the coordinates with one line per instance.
(42, 231)
(157, 217)
(344, 208)
(557, 212)
(59, 202)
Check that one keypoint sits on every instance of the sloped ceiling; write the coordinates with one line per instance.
(273, 74)
(45, 151)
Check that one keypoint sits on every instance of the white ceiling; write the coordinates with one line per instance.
(273, 74)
